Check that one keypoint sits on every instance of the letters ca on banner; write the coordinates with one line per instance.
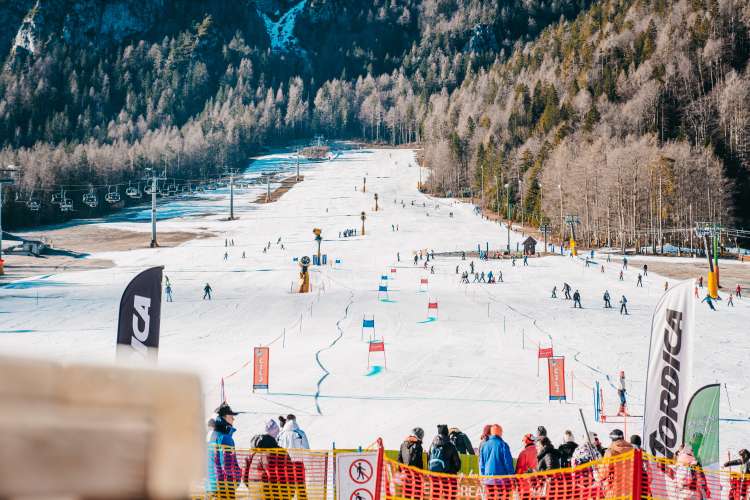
(261, 357)
(139, 320)
(556, 368)
(670, 368)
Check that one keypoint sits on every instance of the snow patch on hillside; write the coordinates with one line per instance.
(281, 32)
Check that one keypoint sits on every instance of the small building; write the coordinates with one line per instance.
(529, 246)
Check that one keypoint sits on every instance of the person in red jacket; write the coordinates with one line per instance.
(526, 461)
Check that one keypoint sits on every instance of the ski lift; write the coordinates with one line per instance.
(56, 198)
(90, 199)
(33, 205)
(19, 199)
(172, 189)
(112, 196)
(66, 205)
(133, 192)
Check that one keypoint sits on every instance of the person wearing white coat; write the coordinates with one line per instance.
(291, 436)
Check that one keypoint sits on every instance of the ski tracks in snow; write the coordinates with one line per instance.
(329, 346)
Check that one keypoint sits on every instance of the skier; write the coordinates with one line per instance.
(639, 283)
(476, 277)
(738, 291)
(513, 261)
(490, 277)
(622, 278)
(577, 300)
(554, 292)
(566, 291)
(602, 268)
(666, 285)
(588, 262)
(432, 269)
(471, 265)
(700, 281)
(622, 393)
(607, 303)
(645, 269)
(710, 302)
(398, 257)
(500, 276)
(243, 254)
(456, 269)
(730, 302)
(168, 292)
(226, 242)
(624, 305)
(410, 452)
(393, 228)
(226, 255)
(481, 278)
(624, 262)
(525, 260)
(207, 291)
(463, 255)
(609, 258)
(416, 258)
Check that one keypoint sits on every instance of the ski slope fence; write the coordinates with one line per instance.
(277, 474)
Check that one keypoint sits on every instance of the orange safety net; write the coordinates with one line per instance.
(272, 474)
(664, 479)
(611, 478)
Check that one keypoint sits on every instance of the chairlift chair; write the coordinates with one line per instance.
(112, 196)
(148, 189)
(66, 205)
(133, 192)
(90, 199)
(33, 205)
(56, 198)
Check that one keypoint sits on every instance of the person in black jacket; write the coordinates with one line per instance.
(461, 441)
(547, 458)
(410, 452)
(443, 456)
(566, 449)
(743, 462)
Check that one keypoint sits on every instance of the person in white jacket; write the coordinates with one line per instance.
(291, 436)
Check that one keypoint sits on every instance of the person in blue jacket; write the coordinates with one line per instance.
(224, 470)
(495, 458)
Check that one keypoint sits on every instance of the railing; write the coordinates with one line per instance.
(277, 474)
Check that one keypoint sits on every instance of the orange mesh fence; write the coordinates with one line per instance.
(272, 474)
(611, 478)
(664, 479)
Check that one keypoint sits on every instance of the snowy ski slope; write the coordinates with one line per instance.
(475, 364)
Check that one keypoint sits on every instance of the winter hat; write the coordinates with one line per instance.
(635, 440)
(272, 428)
(528, 439)
(541, 431)
(418, 432)
(442, 429)
(224, 409)
(496, 430)
(616, 434)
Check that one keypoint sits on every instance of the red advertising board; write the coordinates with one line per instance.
(260, 367)
(556, 370)
(545, 352)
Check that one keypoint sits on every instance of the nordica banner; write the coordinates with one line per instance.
(140, 310)
(702, 424)
(670, 370)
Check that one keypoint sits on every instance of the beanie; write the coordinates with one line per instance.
(272, 428)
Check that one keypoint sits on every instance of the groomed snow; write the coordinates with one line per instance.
(466, 369)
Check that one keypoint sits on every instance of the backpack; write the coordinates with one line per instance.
(436, 464)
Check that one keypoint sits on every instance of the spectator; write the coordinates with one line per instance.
(743, 461)
(495, 459)
(547, 458)
(224, 471)
(619, 445)
(410, 452)
(527, 458)
(635, 440)
(485, 436)
(566, 449)
(291, 436)
(586, 452)
(443, 455)
(461, 441)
